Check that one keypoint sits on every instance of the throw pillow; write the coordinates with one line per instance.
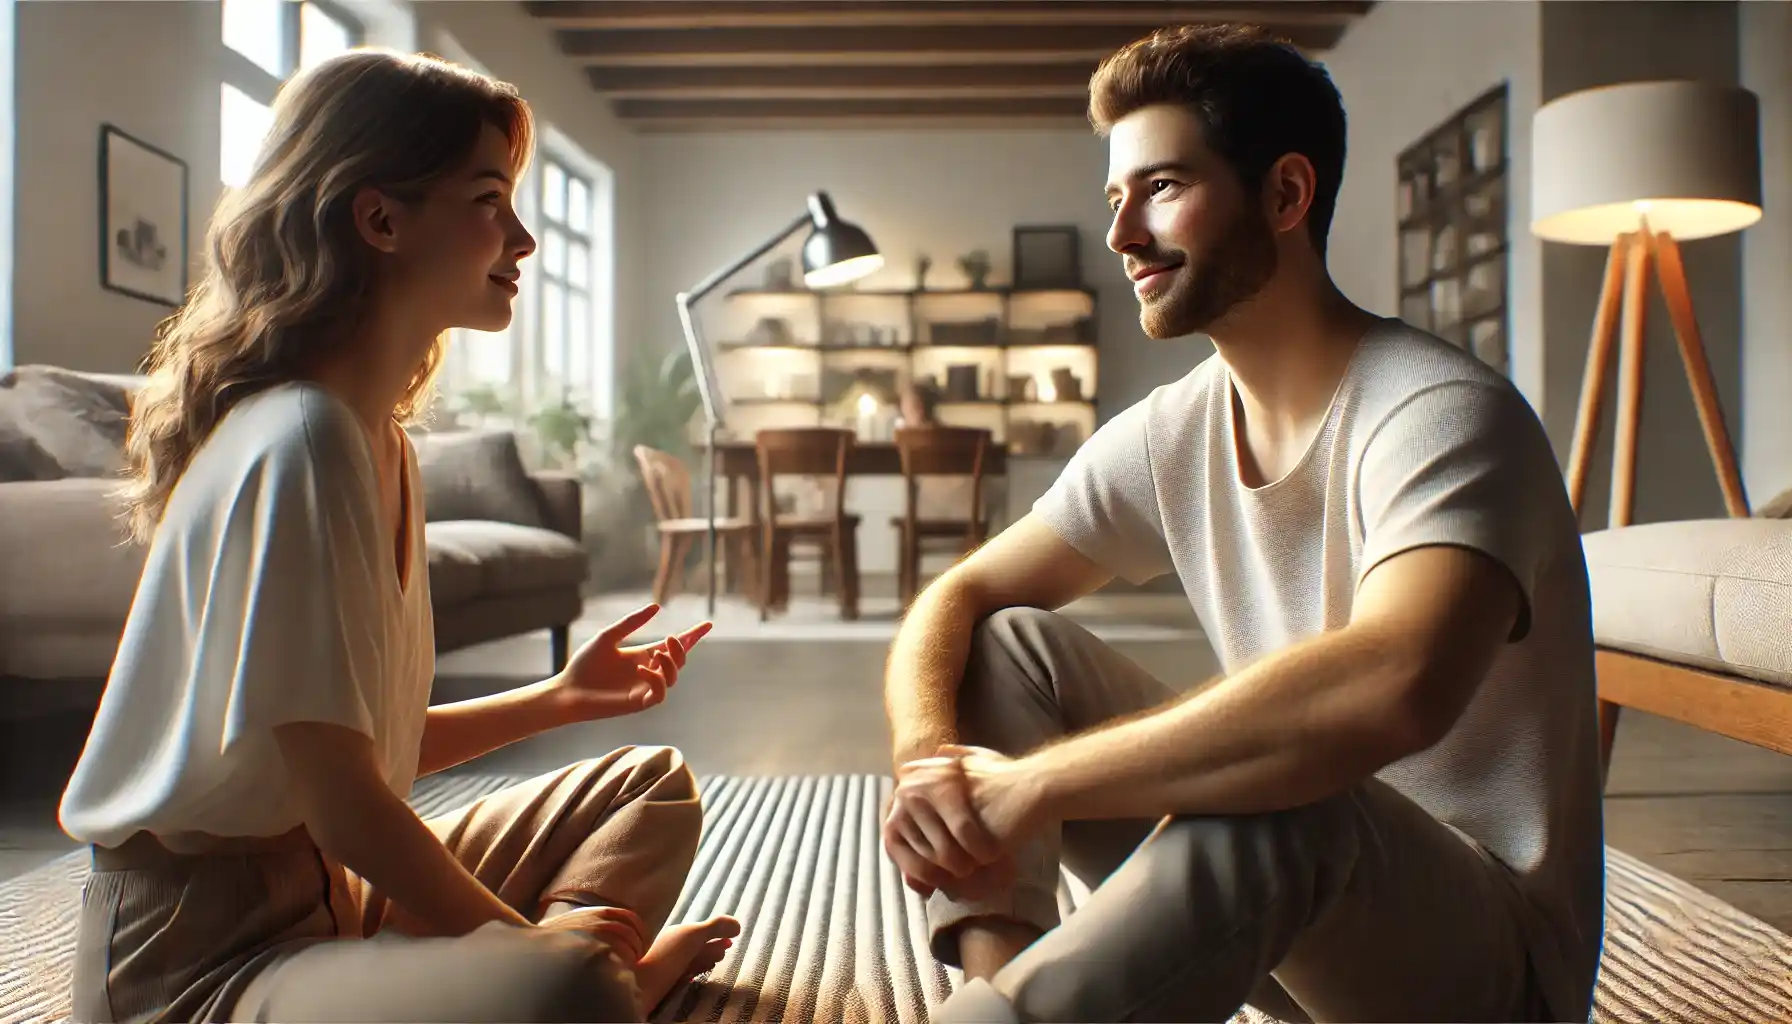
(77, 420)
(476, 474)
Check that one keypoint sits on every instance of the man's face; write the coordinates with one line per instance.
(1194, 241)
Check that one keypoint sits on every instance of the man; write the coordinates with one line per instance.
(1388, 807)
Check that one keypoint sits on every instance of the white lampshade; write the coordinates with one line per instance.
(1685, 155)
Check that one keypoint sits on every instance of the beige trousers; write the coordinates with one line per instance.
(281, 933)
(1362, 907)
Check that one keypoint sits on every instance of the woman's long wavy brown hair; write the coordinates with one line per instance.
(286, 273)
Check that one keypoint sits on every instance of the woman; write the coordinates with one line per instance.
(244, 784)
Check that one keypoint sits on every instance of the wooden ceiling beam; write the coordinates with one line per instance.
(843, 82)
(1068, 108)
(688, 14)
(895, 44)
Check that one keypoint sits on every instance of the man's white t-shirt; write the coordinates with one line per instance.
(1423, 445)
(270, 594)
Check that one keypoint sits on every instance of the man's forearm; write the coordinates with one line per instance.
(1290, 730)
(458, 732)
(925, 667)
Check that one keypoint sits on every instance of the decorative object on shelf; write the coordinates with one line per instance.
(976, 267)
(838, 384)
(962, 380)
(780, 275)
(771, 330)
(143, 219)
(1452, 230)
(987, 331)
(1020, 387)
(1639, 167)
(1066, 387)
(1047, 257)
(835, 253)
(923, 264)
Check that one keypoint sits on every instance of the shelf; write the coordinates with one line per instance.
(1453, 272)
(907, 347)
(910, 293)
(1010, 341)
(1454, 193)
(991, 402)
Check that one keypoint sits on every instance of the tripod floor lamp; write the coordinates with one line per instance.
(1640, 167)
(835, 253)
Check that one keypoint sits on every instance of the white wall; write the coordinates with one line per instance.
(1403, 70)
(149, 67)
(1766, 30)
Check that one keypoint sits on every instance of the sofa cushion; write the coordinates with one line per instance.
(77, 420)
(455, 575)
(476, 474)
(1714, 594)
(508, 559)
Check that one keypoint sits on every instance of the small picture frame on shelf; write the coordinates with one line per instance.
(1046, 257)
(143, 219)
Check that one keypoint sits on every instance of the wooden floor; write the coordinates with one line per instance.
(802, 695)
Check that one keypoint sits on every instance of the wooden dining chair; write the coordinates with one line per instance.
(810, 452)
(668, 482)
(938, 455)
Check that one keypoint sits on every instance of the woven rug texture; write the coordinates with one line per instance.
(832, 936)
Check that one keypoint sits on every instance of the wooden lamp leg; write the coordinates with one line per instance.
(1592, 383)
(1631, 330)
(1672, 274)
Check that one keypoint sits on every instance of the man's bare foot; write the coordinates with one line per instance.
(682, 952)
(987, 944)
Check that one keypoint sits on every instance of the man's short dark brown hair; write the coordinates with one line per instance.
(1256, 96)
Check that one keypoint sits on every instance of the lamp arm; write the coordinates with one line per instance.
(713, 281)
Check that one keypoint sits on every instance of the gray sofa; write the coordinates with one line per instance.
(504, 543)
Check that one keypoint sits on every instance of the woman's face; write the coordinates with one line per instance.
(456, 261)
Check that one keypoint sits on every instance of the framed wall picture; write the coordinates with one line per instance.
(1046, 257)
(143, 219)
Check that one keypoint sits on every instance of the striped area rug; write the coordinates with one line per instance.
(832, 935)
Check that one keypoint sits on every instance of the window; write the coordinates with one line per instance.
(558, 346)
(266, 42)
(565, 360)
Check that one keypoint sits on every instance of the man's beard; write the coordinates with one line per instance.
(1210, 286)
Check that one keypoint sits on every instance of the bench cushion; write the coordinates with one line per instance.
(831, 934)
(1714, 594)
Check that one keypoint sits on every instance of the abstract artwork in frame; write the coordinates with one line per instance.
(143, 219)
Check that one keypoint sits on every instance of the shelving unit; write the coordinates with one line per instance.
(1022, 363)
(1452, 230)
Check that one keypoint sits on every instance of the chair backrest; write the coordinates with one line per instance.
(668, 482)
(803, 451)
(943, 451)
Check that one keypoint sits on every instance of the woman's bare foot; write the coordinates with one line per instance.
(682, 952)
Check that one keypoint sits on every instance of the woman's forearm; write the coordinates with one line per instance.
(457, 733)
(356, 820)
(378, 837)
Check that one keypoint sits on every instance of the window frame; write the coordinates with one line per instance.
(242, 73)
(571, 234)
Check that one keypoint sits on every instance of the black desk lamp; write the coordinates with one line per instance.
(836, 253)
